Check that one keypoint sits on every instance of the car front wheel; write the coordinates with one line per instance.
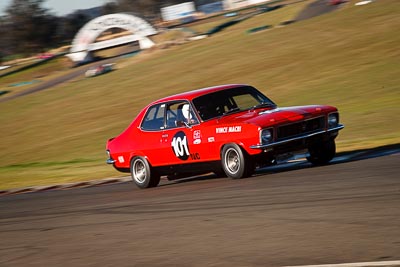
(321, 153)
(142, 173)
(235, 162)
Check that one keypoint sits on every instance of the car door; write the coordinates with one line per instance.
(150, 138)
(181, 138)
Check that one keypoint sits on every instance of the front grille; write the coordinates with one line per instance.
(299, 128)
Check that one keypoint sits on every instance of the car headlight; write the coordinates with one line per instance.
(266, 136)
(333, 120)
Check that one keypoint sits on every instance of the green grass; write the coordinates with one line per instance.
(349, 58)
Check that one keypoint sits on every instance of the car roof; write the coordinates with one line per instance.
(190, 95)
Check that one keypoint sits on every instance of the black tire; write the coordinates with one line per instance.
(142, 174)
(321, 153)
(236, 163)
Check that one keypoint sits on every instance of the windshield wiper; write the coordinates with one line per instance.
(263, 105)
(232, 110)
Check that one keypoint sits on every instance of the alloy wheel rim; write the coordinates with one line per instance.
(232, 161)
(139, 172)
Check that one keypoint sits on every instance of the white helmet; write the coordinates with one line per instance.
(186, 112)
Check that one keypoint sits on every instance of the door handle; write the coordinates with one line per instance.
(164, 135)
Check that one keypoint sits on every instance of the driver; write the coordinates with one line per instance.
(187, 114)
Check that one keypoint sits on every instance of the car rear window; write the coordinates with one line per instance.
(154, 119)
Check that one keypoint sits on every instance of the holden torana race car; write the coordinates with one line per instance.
(230, 130)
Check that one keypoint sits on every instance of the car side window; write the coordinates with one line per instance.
(172, 115)
(179, 113)
(154, 118)
(186, 114)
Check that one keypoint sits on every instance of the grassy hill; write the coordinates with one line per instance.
(349, 58)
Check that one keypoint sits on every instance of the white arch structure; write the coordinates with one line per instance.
(83, 42)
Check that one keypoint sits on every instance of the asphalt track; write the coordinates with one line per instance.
(289, 215)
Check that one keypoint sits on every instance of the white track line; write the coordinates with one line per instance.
(356, 264)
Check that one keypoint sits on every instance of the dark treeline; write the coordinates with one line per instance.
(29, 28)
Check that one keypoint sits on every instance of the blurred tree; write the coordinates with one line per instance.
(71, 24)
(30, 27)
(109, 8)
(4, 43)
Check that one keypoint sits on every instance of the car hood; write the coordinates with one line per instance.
(267, 117)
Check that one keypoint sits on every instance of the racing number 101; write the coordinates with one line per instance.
(180, 146)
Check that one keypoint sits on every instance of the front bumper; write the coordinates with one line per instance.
(110, 161)
(303, 136)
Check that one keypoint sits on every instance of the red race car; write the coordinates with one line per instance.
(230, 130)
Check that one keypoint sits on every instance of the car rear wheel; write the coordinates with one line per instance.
(236, 163)
(321, 153)
(142, 173)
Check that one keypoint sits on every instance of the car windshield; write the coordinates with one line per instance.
(229, 101)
